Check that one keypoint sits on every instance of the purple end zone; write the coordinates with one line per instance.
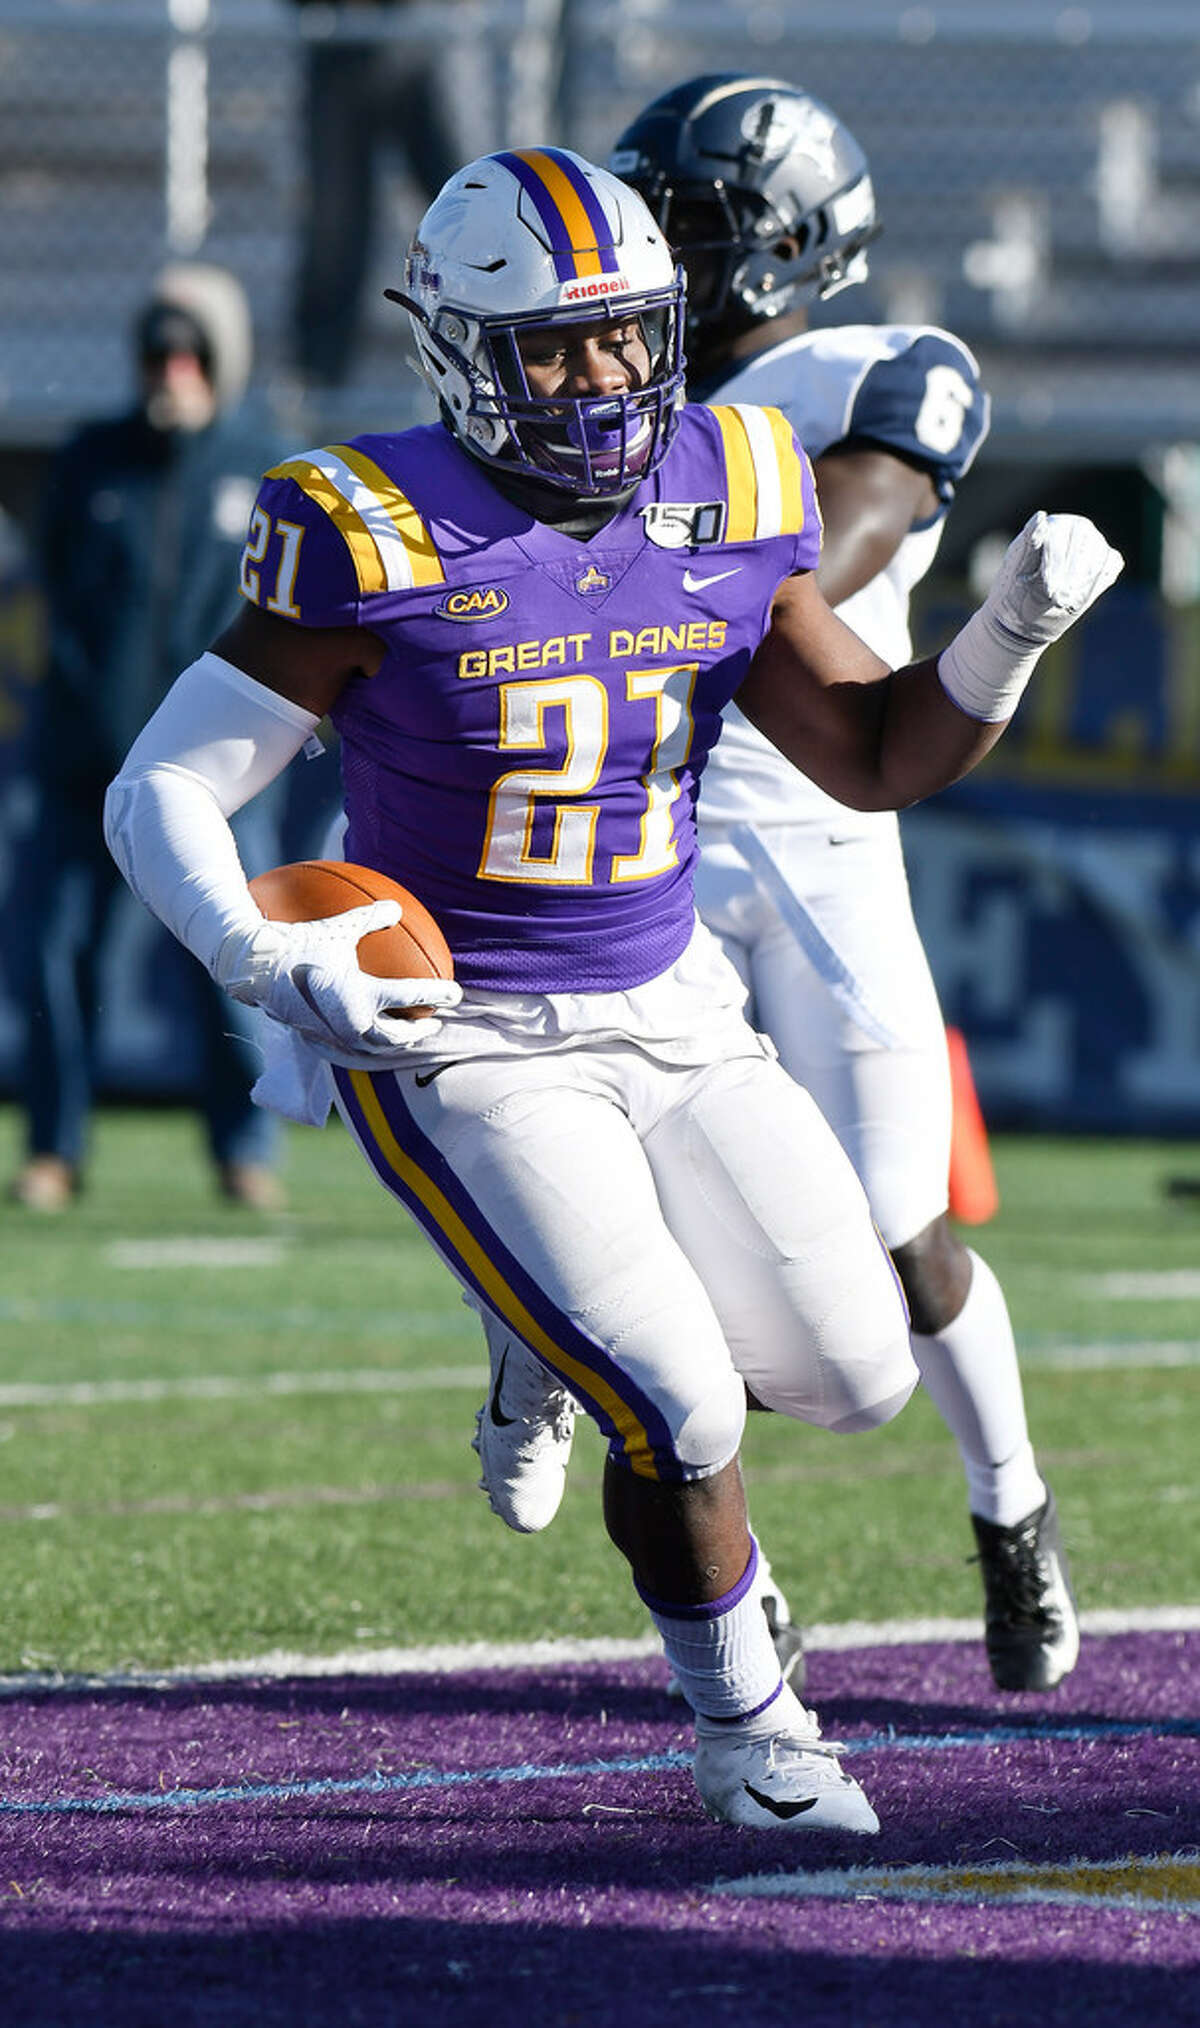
(521, 1847)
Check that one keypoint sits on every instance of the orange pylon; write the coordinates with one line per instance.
(974, 1197)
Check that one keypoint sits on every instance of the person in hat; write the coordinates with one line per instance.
(145, 516)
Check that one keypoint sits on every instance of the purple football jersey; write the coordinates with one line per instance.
(527, 756)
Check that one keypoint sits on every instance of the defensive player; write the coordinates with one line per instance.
(525, 621)
(766, 197)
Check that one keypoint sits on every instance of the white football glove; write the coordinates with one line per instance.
(1054, 570)
(307, 976)
(1051, 573)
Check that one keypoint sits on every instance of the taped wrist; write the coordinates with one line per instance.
(985, 668)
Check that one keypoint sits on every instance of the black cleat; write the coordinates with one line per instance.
(1031, 1631)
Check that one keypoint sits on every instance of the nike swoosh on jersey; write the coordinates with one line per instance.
(695, 584)
(424, 1077)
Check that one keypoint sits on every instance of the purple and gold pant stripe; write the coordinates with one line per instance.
(580, 235)
(413, 1169)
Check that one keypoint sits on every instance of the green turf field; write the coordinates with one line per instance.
(222, 1433)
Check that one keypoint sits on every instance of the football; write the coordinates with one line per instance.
(308, 890)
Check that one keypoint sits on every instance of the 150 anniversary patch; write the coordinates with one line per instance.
(683, 524)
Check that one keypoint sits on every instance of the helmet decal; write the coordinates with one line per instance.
(579, 234)
(774, 127)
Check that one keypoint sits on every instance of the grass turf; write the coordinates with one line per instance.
(313, 1511)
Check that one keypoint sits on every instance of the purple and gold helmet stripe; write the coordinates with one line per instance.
(411, 1167)
(579, 233)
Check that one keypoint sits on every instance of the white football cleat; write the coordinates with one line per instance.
(523, 1434)
(788, 1778)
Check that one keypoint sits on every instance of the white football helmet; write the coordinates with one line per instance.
(533, 237)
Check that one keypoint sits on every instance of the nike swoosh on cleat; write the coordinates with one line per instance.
(784, 1810)
(694, 584)
(497, 1414)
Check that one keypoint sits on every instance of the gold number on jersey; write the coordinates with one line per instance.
(291, 535)
(567, 854)
(671, 690)
(508, 846)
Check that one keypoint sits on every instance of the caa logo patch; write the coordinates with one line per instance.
(479, 602)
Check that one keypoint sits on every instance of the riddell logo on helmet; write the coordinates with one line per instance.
(601, 285)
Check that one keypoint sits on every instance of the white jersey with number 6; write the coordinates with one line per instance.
(810, 900)
(907, 389)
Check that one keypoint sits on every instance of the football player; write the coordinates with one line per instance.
(766, 197)
(525, 621)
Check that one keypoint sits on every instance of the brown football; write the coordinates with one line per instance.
(310, 889)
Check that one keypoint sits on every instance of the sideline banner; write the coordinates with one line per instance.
(1064, 935)
(1058, 889)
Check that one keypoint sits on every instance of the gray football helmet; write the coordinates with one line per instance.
(760, 190)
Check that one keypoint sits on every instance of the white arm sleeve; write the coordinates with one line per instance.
(217, 738)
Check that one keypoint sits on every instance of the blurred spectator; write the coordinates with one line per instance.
(145, 519)
(363, 92)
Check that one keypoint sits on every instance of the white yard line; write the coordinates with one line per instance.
(239, 1387)
(280, 1663)
(79, 1314)
(1143, 1285)
(182, 1251)
(1097, 1355)
(1089, 1357)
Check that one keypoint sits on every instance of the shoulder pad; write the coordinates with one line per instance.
(926, 402)
(340, 529)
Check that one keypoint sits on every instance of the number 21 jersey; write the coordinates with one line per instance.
(527, 756)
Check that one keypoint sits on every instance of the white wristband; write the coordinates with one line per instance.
(983, 673)
(1049, 575)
